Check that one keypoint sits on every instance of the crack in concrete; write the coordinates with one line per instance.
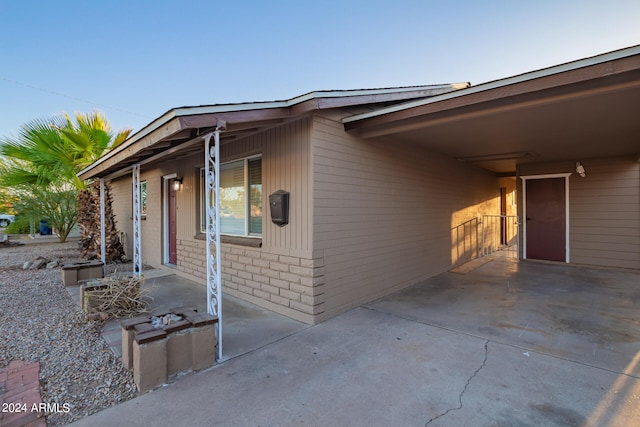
(484, 362)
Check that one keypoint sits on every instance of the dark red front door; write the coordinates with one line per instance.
(546, 219)
(173, 256)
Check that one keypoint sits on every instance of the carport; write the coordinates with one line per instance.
(586, 315)
(567, 135)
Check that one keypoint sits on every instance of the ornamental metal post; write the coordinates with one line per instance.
(214, 261)
(103, 244)
(137, 213)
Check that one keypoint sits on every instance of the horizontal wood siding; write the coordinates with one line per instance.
(286, 166)
(122, 205)
(280, 274)
(386, 214)
(152, 227)
(604, 210)
(605, 214)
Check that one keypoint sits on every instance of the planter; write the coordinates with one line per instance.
(82, 270)
(156, 354)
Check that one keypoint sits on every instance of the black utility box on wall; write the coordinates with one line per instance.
(279, 203)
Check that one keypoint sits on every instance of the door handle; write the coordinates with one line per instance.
(528, 218)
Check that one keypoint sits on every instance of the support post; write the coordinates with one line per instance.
(103, 244)
(214, 260)
(137, 214)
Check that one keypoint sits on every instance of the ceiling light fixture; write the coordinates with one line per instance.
(497, 156)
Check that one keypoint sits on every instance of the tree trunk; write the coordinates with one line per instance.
(89, 223)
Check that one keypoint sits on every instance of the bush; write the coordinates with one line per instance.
(20, 226)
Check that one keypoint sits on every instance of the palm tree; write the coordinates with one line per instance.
(47, 155)
(90, 137)
(48, 151)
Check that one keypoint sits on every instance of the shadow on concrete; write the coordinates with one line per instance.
(583, 314)
(246, 327)
(517, 344)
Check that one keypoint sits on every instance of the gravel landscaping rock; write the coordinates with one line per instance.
(39, 321)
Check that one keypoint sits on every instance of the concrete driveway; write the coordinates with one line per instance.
(507, 344)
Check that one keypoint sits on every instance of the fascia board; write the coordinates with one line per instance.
(545, 72)
(228, 108)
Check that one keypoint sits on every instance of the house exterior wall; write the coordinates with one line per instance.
(386, 214)
(281, 274)
(122, 206)
(604, 210)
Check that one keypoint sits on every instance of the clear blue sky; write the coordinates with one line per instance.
(134, 59)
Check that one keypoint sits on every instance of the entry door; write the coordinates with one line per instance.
(546, 219)
(171, 222)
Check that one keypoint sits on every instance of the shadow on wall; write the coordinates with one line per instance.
(466, 230)
(466, 241)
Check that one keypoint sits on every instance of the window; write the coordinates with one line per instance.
(143, 201)
(143, 198)
(240, 215)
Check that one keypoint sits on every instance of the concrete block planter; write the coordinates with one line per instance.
(150, 359)
(82, 270)
(158, 353)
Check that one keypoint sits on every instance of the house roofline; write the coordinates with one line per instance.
(174, 113)
(496, 84)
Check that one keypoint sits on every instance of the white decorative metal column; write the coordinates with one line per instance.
(214, 261)
(103, 244)
(137, 214)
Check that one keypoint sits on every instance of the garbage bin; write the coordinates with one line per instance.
(45, 230)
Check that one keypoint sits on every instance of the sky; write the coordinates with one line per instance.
(134, 60)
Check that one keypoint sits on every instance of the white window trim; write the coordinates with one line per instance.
(247, 198)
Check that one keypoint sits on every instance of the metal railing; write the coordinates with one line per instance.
(500, 235)
(465, 241)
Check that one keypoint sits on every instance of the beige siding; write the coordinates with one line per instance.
(285, 166)
(604, 210)
(605, 214)
(281, 274)
(386, 214)
(122, 205)
(286, 160)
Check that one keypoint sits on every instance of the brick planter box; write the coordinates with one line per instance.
(82, 270)
(155, 355)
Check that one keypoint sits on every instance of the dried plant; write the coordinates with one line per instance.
(118, 296)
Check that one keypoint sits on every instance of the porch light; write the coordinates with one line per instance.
(177, 183)
(580, 169)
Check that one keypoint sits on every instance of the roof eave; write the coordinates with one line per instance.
(497, 84)
(179, 119)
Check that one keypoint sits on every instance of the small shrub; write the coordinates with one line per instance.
(20, 226)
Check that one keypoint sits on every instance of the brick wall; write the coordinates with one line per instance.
(290, 285)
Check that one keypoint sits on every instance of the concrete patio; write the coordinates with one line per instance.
(246, 326)
(504, 344)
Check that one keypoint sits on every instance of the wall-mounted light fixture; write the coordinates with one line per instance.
(580, 169)
(177, 183)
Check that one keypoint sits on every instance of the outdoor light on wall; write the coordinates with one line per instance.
(580, 169)
(177, 183)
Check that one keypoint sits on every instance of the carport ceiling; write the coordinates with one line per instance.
(574, 115)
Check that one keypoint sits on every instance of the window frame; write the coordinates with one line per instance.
(143, 199)
(247, 201)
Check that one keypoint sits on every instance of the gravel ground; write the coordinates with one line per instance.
(39, 321)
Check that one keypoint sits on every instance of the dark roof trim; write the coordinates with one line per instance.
(178, 120)
(480, 99)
